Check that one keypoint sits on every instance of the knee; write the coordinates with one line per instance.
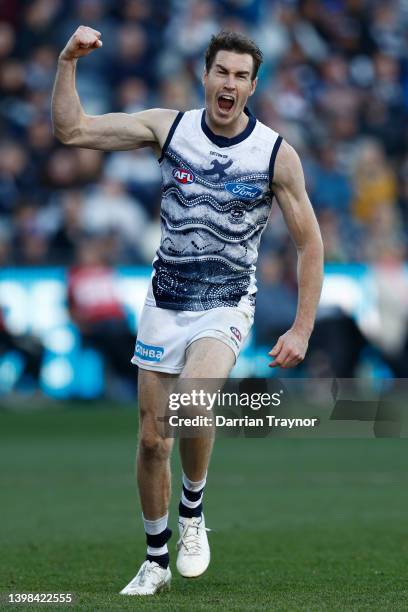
(152, 447)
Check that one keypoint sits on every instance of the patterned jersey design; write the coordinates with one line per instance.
(215, 205)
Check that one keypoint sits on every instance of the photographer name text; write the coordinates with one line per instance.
(223, 421)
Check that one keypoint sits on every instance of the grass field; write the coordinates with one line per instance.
(297, 524)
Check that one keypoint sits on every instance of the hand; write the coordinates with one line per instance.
(82, 42)
(289, 350)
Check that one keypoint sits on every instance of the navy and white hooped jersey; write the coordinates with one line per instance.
(216, 202)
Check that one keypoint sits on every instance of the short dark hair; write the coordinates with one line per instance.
(233, 41)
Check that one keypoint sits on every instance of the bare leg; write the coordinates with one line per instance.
(206, 358)
(154, 449)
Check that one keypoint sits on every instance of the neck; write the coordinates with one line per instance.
(230, 130)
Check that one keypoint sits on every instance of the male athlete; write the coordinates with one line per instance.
(221, 169)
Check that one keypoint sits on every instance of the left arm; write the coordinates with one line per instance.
(289, 188)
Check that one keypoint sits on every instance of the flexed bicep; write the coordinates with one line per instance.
(122, 131)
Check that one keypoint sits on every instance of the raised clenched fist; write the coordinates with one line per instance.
(83, 41)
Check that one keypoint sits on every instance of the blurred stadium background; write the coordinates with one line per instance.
(79, 228)
(315, 524)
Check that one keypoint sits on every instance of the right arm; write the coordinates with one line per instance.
(110, 132)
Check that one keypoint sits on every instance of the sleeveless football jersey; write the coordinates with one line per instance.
(215, 204)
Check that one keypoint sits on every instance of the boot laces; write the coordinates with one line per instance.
(190, 538)
(148, 571)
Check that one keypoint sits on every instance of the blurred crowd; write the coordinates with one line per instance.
(334, 83)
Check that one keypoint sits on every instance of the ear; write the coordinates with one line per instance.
(204, 77)
(253, 86)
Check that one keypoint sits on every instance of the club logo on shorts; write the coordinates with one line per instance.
(183, 176)
(146, 352)
(236, 333)
(247, 192)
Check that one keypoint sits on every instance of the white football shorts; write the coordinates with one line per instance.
(164, 335)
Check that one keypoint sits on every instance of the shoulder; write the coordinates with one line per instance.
(160, 122)
(167, 119)
(288, 167)
(157, 118)
(270, 142)
(265, 132)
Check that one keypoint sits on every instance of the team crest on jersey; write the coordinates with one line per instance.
(242, 190)
(237, 214)
(236, 333)
(218, 168)
(183, 176)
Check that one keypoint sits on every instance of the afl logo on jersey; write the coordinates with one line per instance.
(183, 176)
(247, 192)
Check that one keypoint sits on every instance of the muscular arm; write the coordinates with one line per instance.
(289, 188)
(110, 132)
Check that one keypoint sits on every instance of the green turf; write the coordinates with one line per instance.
(297, 524)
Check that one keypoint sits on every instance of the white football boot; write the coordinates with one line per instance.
(193, 549)
(150, 579)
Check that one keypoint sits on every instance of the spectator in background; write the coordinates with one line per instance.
(108, 208)
(140, 172)
(335, 345)
(337, 95)
(37, 23)
(62, 170)
(68, 233)
(190, 29)
(249, 11)
(40, 142)
(133, 57)
(17, 177)
(90, 165)
(30, 240)
(330, 189)
(177, 93)
(95, 308)
(374, 182)
(275, 304)
(132, 95)
(41, 68)
(334, 246)
(384, 238)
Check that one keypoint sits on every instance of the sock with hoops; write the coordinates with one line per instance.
(157, 536)
(191, 503)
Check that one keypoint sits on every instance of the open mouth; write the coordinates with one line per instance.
(225, 102)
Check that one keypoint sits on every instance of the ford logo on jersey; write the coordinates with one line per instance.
(147, 352)
(247, 192)
(183, 176)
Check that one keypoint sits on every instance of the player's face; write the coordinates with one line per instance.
(228, 85)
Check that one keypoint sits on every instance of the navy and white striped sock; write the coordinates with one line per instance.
(191, 503)
(157, 536)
